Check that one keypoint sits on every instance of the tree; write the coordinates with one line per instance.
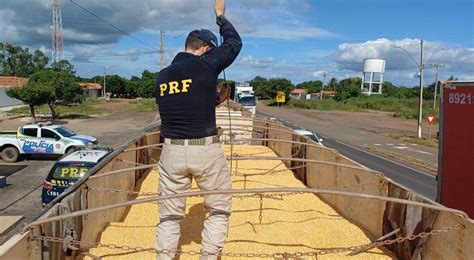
(333, 84)
(116, 85)
(279, 84)
(348, 88)
(33, 94)
(65, 87)
(311, 86)
(260, 86)
(18, 61)
(64, 65)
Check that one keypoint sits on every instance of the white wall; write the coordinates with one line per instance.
(6, 101)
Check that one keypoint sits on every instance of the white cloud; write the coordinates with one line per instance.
(290, 32)
(399, 65)
(250, 61)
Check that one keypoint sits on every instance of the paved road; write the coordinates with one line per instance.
(414, 179)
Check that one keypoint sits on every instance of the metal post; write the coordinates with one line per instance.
(420, 111)
(322, 87)
(104, 92)
(437, 66)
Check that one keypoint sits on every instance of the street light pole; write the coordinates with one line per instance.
(322, 87)
(420, 66)
(420, 111)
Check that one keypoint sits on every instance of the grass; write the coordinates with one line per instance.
(143, 105)
(327, 104)
(433, 142)
(267, 102)
(403, 108)
(89, 107)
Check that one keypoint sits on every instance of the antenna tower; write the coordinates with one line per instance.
(57, 33)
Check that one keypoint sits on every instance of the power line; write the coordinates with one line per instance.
(110, 24)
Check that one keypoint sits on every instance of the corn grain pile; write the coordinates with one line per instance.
(292, 223)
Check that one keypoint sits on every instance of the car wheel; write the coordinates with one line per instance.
(10, 154)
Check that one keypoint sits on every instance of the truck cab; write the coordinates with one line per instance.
(245, 96)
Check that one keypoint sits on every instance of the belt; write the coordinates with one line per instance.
(199, 141)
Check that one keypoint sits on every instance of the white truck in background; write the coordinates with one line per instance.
(245, 96)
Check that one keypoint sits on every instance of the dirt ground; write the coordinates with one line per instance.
(360, 129)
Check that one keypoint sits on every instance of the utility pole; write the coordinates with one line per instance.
(162, 52)
(421, 67)
(437, 66)
(420, 111)
(103, 89)
(322, 87)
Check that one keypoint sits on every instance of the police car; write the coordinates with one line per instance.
(69, 169)
(41, 139)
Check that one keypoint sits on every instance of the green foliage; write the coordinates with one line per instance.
(64, 65)
(325, 104)
(124, 88)
(333, 85)
(20, 62)
(267, 88)
(260, 87)
(146, 85)
(87, 108)
(144, 105)
(33, 94)
(311, 86)
(65, 86)
(404, 108)
(348, 88)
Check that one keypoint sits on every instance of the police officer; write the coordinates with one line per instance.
(186, 97)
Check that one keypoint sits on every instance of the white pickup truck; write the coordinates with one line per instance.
(40, 139)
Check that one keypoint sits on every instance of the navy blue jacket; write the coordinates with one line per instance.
(186, 90)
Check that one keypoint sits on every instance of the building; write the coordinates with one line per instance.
(298, 93)
(93, 90)
(7, 82)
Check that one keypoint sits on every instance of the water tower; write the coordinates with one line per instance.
(372, 79)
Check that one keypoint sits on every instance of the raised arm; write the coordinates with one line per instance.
(223, 56)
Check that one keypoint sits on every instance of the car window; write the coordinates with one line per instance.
(314, 138)
(49, 134)
(70, 171)
(65, 132)
(33, 132)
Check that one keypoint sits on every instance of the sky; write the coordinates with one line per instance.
(300, 40)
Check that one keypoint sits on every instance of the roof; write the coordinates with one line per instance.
(299, 91)
(7, 81)
(303, 132)
(87, 85)
(85, 155)
(49, 126)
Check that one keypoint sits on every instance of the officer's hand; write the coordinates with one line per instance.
(219, 7)
(224, 94)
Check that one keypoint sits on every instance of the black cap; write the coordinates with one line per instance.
(205, 35)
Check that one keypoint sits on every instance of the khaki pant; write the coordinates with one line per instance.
(178, 165)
